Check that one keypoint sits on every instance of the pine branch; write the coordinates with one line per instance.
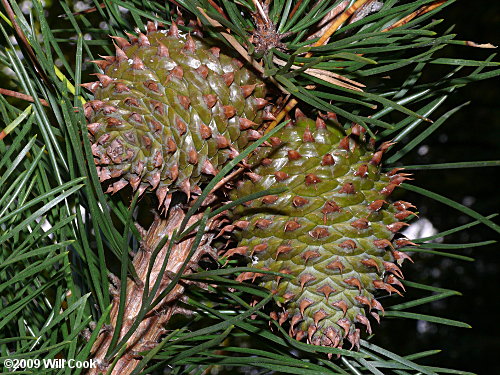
(139, 314)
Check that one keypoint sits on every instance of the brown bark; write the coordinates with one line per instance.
(151, 328)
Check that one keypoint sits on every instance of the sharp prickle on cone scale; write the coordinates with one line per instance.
(333, 230)
(166, 110)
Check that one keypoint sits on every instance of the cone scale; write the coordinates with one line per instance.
(168, 111)
(332, 231)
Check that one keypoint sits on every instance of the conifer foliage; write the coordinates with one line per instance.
(229, 195)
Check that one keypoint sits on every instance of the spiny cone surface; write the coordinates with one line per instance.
(332, 231)
(169, 110)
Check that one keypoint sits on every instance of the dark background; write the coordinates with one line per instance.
(471, 134)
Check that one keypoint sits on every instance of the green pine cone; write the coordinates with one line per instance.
(332, 230)
(169, 111)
